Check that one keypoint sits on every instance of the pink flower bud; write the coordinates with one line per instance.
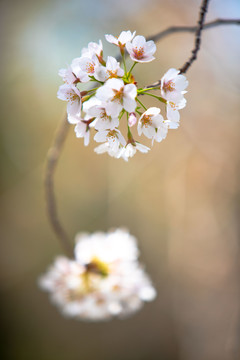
(132, 119)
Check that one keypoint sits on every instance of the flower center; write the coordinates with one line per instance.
(118, 94)
(138, 52)
(169, 86)
(173, 105)
(146, 120)
(112, 135)
(112, 74)
(90, 68)
(97, 266)
(72, 96)
(103, 115)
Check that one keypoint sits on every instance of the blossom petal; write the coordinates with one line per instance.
(104, 93)
(73, 119)
(129, 104)
(111, 39)
(115, 84)
(139, 41)
(74, 107)
(101, 149)
(181, 82)
(87, 138)
(152, 111)
(101, 136)
(150, 47)
(171, 73)
(130, 90)
(113, 108)
(126, 36)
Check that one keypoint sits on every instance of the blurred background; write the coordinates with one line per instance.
(181, 200)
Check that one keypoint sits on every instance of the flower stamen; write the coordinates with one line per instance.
(138, 52)
(118, 94)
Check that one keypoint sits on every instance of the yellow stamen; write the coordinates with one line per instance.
(138, 52)
(146, 120)
(112, 74)
(97, 266)
(112, 135)
(169, 86)
(90, 68)
(118, 94)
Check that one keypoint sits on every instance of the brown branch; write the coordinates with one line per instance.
(203, 11)
(52, 159)
(192, 29)
(189, 29)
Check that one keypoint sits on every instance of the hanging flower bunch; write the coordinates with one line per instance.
(104, 280)
(104, 107)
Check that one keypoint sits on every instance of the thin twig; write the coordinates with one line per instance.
(203, 11)
(192, 29)
(189, 29)
(52, 159)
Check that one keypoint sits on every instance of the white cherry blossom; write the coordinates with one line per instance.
(117, 245)
(172, 110)
(149, 122)
(113, 137)
(173, 85)
(93, 48)
(141, 50)
(89, 65)
(93, 101)
(104, 280)
(82, 130)
(130, 150)
(117, 96)
(114, 97)
(123, 38)
(71, 94)
(111, 70)
(161, 131)
(76, 68)
(103, 121)
(105, 148)
(68, 76)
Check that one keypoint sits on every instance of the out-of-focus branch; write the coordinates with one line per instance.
(52, 159)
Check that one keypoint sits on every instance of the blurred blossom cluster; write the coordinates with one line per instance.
(117, 96)
(104, 280)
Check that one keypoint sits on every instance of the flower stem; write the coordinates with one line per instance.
(94, 79)
(130, 137)
(129, 73)
(157, 97)
(142, 91)
(124, 64)
(141, 104)
(94, 89)
(121, 114)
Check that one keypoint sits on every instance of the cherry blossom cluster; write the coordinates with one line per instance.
(116, 95)
(103, 281)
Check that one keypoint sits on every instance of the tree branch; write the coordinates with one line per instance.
(192, 29)
(189, 29)
(203, 11)
(52, 159)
